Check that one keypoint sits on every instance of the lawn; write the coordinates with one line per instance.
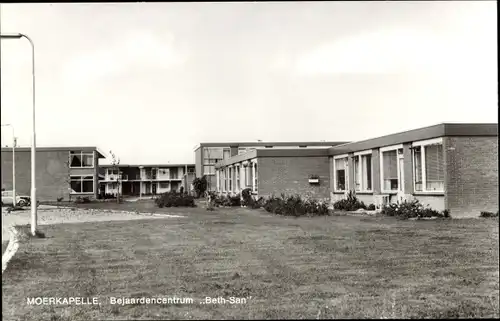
(323, 267)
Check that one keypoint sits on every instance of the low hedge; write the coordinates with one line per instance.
(175, 199)
(294, 205)
(412, 209)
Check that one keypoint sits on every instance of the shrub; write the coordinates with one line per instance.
(488, 214)
(294, 206)
(60, 199)
(200, 185)
(351, 203)
(246, 195)
(82, 200)
(412, 209)
(174, 199)
(371, 207)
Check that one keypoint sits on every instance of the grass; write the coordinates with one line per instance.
(323, 267)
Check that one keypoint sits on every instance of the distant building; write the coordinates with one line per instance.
(138, 180)
(61, 172)
(208, 154)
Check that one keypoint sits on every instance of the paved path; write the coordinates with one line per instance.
(48, 215)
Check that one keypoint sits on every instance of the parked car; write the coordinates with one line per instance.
(8, 199)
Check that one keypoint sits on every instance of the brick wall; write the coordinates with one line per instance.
(471, 178)
(52, 174)
(290, 175)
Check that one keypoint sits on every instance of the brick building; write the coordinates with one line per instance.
(207, 155)
(276, 171)
(60, 171)
(447, 166)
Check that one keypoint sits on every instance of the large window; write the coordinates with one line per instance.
(81, 159)
(230, 175)
(237, 178)
(340, 173)
(428, 166)
(82, 184)
(363, 171)
(209, 170)
(389, 166)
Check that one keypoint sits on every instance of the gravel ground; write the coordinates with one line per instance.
(48, 215)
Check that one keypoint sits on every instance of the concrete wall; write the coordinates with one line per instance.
(471, 175)
(52, 174)
(198, 162)
(290, 175)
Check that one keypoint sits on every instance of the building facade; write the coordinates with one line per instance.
(144, 180)
(207, 155)
(61, 172)
(269, 172)
(446, 166)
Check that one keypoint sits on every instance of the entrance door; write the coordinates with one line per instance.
(153, 187)
(401, 178)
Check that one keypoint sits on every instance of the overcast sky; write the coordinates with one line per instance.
(151, 80)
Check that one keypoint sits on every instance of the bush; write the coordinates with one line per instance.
(412, 209)
(174, 199)
(371, 207)
(488, 214)
(351, 203)
(200, 185)
(246, 195)
(82, 200)
(60, 199)
(294, 206)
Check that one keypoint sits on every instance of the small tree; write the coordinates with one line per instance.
(115, 162)
(200, 185)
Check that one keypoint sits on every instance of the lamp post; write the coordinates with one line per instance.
(33, 143)
(14, 201)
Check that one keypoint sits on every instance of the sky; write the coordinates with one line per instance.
(150, 81)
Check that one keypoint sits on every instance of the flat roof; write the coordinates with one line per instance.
(262, 153)
(100, 154)
(252, 144)
(148, 165)
(440, 130)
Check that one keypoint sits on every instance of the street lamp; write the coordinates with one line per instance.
(13, 163)
(33, 143)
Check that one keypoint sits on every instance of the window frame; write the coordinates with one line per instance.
(81, 176)
(81, 153)
(381, 157)
(346, 170)
(237, 178)
(360, 155)
(421, 145)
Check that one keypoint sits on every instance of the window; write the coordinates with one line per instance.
(190, 169)
(340, 177)
(237, 178)
(255, 178)
(363, 171)
(230, 175)
(428, 166)
(210, 161)
(82, 184)
(209, 170)
(242, 150)
(163, 185)
(81, 159)
(389, 166)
